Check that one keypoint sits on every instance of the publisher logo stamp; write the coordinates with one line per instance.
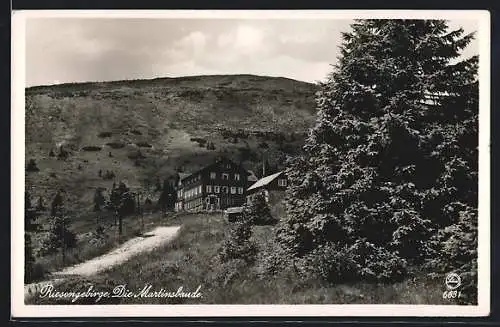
(452, 282)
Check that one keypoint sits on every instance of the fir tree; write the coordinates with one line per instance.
(40, 206)
(392, 157)
(60, 237)
(258, 211)
(122, 203)
(99, 199)
(30, 215)
(168, 197)
(238, 245)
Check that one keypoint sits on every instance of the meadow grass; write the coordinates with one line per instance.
(87, 249)
(191, 261)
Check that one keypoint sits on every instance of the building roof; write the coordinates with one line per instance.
(251, 176)
(184, 175)
(264, 181)
(234, 210)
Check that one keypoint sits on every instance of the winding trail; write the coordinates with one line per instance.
(133, 247)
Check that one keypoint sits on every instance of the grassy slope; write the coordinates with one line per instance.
(190, 261)
(165, 113)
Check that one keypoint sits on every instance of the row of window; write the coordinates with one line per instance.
(193, 192)
(281, 182)
(193, 204)
(212, 189)
(224, 189)
(224, 176)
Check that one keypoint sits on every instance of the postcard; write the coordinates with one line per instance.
(205, 163)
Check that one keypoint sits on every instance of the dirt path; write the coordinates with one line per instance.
(124, 252)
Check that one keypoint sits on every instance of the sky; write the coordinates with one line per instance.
(61, 50)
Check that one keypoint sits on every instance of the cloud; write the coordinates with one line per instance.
(91, 49)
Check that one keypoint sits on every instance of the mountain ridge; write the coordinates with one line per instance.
(145, 131)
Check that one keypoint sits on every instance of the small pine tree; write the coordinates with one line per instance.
(60, 237)
(40, 206)
(168, 197)
(99, 199)
(29, 259)
(122, 203)
(258, 211)
(238, 245)
(30, 215)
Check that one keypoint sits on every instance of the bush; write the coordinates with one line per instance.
(238, 244)
(116, 145)
(32, 167)
(258, 212)
(143, 145)
(136, 155)
(361, 261)
(229, 271)
(104, 134)
(91, 148)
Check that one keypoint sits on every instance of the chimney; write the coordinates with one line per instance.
(263, 166)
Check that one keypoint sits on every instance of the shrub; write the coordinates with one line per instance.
(229, 272)
(136, 132)
(238, 244)
(32, 167)
(258, 211)
(136, 155)
(116, 145)
(104, 134)
(91, 148)
(144, 145)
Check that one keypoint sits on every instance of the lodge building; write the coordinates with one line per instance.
(217, 186)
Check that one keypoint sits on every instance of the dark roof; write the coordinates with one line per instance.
(223, 159)
(184, 175)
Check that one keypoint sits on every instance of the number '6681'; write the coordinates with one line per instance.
(451, 294)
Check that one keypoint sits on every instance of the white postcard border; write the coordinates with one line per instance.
(19, 309)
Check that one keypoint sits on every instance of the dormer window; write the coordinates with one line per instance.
(236, 177)
(213, 175)
(225, 176)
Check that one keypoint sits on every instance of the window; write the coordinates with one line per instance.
(240, 190)
(233, 190)
(213, 175)
(281, 182)
(209, 188)
(224, 189)
(228, 166)
(199, 189)
(236, 177)
(225, 176)
(216, 189)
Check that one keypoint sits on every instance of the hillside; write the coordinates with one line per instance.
(145, 130)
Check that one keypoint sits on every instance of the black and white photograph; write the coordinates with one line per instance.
(183, 162)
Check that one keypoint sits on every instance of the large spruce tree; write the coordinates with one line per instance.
(392, 159)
